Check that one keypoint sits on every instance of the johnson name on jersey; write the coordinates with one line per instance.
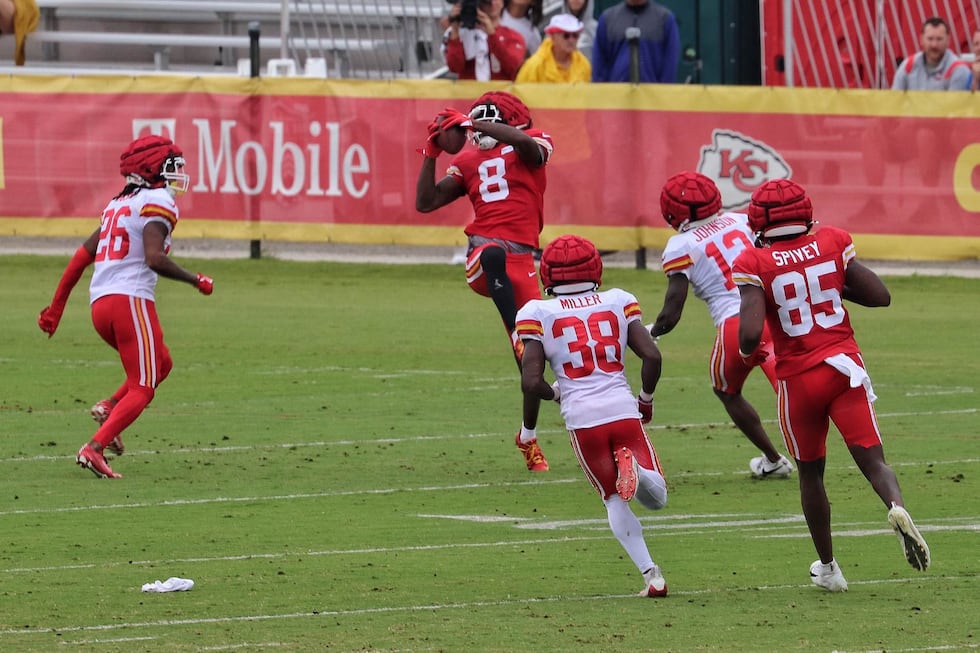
(584, 338)
(704, 252)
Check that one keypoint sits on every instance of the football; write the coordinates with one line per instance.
(451, 140)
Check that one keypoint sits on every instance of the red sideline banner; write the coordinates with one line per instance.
(311, 160)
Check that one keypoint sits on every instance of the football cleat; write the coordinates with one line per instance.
(100, 411)
(828, 576)
(95, 462)
(913, 544)
(656, 586)
(626, 474)
(533, 455)
(116, 447)
(762, 468)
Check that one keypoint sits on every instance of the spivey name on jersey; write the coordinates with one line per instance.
(798, 255)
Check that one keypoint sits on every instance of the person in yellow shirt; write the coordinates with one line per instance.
(18, 17)
(558, 59)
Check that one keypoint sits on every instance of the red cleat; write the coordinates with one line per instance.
(627, 475)
(533, 455)
(95, 462)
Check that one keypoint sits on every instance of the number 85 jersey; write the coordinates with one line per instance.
(120, 259)
(584, 338)
(803, 280)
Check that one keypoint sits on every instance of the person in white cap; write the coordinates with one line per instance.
(558, 59)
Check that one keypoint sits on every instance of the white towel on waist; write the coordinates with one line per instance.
(172, 584)
(857, 374)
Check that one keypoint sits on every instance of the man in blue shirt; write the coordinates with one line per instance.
(658, 41)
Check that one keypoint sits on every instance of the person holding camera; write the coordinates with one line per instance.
(477, 46)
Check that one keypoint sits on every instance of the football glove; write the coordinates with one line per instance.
(204, 284)
(50, 317)
(449, 117)
(646, 410)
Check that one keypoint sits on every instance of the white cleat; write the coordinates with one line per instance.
(762, 468)
(913, 544)
(828, 576)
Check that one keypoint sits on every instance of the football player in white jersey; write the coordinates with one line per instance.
(700, 256)
(129, 250)
(583, 334)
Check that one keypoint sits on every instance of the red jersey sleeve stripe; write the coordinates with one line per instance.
(631, 309)
(157, 211)
(530, 328)
(680, 263)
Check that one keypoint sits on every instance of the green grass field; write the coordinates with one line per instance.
(332, 462)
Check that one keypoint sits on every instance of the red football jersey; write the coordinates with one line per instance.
(507, 195)
(803, 279)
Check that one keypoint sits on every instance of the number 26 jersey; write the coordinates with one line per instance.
(120, 259)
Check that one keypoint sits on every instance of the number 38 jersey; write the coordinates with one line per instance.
(120, 263)
(507, 194)
(584, 339)
(803, 279)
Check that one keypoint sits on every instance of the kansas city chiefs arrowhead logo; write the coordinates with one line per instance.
(739, 165)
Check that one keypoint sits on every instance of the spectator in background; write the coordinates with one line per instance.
(659, 43)
(18, 17)
(583, 10)
(524, 16)
(975, 81)
(488, 50)
(935, 67)
(558, 58)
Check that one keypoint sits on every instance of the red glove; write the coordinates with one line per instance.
(51, 315)
(205, 284)
(646, 410)
(449, 117)
(430, 149)
(757, 357)
(50, 318)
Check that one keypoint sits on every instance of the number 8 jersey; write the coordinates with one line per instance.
(120, 262)
(584, 338)
(803, 280)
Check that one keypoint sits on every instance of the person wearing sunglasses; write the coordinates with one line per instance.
(558, 59)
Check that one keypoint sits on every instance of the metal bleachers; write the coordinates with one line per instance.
(355, 38)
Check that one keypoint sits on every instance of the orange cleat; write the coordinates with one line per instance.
(533, 455)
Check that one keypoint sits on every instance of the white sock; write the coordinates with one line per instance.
(528, 434)
(627, 529)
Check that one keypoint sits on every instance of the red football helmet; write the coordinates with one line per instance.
(154, 162)
(688, 197)
(780, 207)
(498, 106)
(570, 260)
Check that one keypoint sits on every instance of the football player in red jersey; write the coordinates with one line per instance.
(796, 280)
(129, 250)
(583, 334)
(504, 179)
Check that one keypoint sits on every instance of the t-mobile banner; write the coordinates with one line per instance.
(321, 160)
